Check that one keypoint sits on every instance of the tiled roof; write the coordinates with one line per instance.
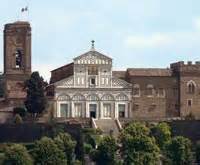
(149, 72)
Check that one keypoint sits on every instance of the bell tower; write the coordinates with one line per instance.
(17, 59)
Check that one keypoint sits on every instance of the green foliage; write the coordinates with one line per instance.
(179, 151)
(18, 119)
(87, 148)
(105, 153)
(197, 149)
(136, 129)
(67, 145)
(162, 134)
(35, 101)
(19, 110)
(46, 151)
(138, 147)
(17, 154)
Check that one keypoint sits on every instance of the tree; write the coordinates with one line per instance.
(138, 147)
(106, 151)
(35, 101)
(136, 129)
(162, 134)
(17, 154)
(198, 151)
(179, 151)
(67, 145)
(45, 151)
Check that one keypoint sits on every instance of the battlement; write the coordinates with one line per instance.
(186, 68)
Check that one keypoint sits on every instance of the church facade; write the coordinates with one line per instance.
(91, 90)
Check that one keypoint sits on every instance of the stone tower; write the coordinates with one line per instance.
(17, 60)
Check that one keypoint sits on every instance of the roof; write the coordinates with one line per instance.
(149, 72)
(63, 66)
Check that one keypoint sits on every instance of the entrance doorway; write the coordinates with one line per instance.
(93, 110)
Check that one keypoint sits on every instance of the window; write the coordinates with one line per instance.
(63, 110)
(136, 90)
(92, 70)
(92, 82)
(77, 110)
(191, 87)
(149, 90)
(121, 110)
(189, 103)
(107, 110)
(103, 81)
(136, 107)
(161, 92)
(18, 59)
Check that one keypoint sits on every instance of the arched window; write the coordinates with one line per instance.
(18, 58)
(149, 90)
(107, 97)
(78, 97)
(191, 87)
(63, 97)
(121, 97)
(92, 97)
(136, 90)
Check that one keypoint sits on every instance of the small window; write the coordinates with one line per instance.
(191, 88)
(136, 90)
(161, 92)
(136, 107)
(149, 90)
(18, 59)
(92, 82)
(121, 110)
(189, 103)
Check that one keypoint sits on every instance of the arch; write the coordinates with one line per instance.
(108, 97)
(191, 85)
(92, 97)
(63, 97)
(150, 90)
(121, 97)
(78, 97)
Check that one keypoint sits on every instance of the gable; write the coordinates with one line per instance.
(119, 83)
(92, 57)
(65, 83)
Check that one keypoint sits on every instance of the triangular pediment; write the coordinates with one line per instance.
(92, 57)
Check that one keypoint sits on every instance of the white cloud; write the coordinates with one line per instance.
(154, 40)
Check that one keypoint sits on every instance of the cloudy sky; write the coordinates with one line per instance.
(135, 33)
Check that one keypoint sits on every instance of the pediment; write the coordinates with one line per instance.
(92, 57)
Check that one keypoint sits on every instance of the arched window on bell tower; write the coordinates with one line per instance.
(18, 58)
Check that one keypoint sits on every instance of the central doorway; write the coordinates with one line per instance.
(93, 110)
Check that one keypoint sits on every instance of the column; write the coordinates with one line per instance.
(87, 110)
(116, 110)
(72, 110)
